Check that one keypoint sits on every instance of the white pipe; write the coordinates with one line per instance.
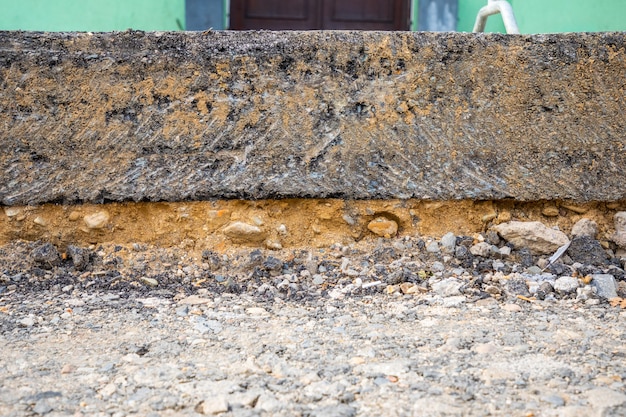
(494, 7)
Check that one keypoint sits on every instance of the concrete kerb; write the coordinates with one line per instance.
(133, 116)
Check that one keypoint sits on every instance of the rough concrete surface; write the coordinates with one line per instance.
(177, 116)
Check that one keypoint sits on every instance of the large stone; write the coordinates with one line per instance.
(200, 115)
(46, 256)
(244, 232)
(535, 236)
(585, 227)
(620, 229)
(587, 251)
(605, 285)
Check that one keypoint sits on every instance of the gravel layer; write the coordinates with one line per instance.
(467, 326)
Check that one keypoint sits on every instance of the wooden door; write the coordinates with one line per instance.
(366, 14)
(275, 14)
(320, 14)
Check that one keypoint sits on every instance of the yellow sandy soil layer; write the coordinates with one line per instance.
(274, 224)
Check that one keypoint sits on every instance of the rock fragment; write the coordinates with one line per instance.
(384, 227)
(481, 249)
(550, 210)
(620, 229)
(80, 257)
(244, 233)
(587, 251)
(46, 256)
(448, 287)
(535, 236)
(605, 285)
(213, 405)
(97, 220)
(448, 242)
(585, 227)
(566, 285)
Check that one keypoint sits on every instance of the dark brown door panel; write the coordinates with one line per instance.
(320, 14)
(274, 14)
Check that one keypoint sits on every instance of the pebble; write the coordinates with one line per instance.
(244, 232)
(384, 227)
(566, 285)
(605, 285)
(27, 321)
(151, 282)
(604, 398)
(432, 247)
(11, 211)
(214, 405)
(97, 220)
(448, 242)
(585, 227)
(481, 249)
(40, 221)
(42, 407)
(80, 257)
(516, 285)
(448, 287)
(257, 311)
(550, 210)
(318, 279)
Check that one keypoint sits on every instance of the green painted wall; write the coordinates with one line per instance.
(468, 10)
(92, 15)
(533, 16)
(544, 16)
(548, 16)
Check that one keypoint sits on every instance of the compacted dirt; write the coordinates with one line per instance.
(406, 326)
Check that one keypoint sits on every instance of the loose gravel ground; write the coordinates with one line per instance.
(398, 327)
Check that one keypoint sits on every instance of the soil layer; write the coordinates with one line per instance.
(276, 224)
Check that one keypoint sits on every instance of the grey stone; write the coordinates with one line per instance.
(46, 256)
(318, 279)
(544, 289)
(80, 256)
(602, 398)
(437, 266)
(460, 252)
(229, 146)
(605, 285)
(27, 321)
(214, 405)
(448, 242)
(448, 287)
(505, 251)
(535, 236)
(339, 410)
(566, 285)
(587, 251)
(42, 407)
(432, 247)
(481, 249)
(517, 286)
(620, 229)
(585, 227)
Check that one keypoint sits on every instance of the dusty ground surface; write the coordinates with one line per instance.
(402, 326)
